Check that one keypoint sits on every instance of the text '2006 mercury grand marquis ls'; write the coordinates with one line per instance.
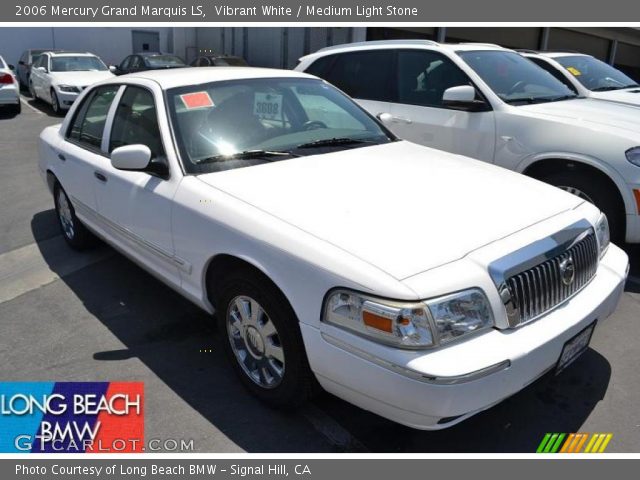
(417, 284)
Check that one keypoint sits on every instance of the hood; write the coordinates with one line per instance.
(401, 207)
(80, 79)
(589, 112)
(628, 96)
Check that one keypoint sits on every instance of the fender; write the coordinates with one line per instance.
(604, 167)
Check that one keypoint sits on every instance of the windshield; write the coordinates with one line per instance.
(164, 61)
(515, 79)
(76, 64)
(239, 123)
(595, 74)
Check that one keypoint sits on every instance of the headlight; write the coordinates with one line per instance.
(411, 325)
(68, 88)
(633, 155)
(602, 233)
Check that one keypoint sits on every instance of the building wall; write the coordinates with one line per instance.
(111, 44)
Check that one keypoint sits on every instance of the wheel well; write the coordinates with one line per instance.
(221, 266)
(51, 180)
(543, 168)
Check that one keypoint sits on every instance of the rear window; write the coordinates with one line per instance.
(164, 60)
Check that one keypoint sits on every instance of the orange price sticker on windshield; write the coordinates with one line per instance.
(197, 100)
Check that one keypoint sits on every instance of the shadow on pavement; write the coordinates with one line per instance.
(167, 333)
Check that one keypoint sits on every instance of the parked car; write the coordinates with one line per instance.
(417, 284)
(213, 60)
(9, 88)
(588, 76)
(490, 103)
(26, 61)
(58, 77)
(140, 62)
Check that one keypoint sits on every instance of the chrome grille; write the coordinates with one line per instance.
(542, 287)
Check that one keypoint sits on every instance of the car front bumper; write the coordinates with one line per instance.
(66, 99)
(431, 390)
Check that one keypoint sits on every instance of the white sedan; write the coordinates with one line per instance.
(9, 88)
(417, 284)
(58, 77)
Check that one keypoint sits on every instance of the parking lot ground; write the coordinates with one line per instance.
(97, 316)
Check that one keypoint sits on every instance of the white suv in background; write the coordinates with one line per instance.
(58, 77)
(588, 76)
(490, 103)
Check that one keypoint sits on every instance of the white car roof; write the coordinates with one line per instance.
(71, 54)
(555, 54)
(384, 44)
(180, 77)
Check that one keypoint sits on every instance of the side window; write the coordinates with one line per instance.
(136, 122)
(423, 76)
(125, 63)
(88, 124)
(137, 62)
(364, 75)
(321, 66)
(558, 75)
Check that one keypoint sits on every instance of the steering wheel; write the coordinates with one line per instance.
(313, 125)
(517, 87)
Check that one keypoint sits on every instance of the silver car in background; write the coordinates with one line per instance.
(9, 88)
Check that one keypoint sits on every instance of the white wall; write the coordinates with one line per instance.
(112, 44)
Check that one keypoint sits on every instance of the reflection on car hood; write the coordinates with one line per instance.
(399, 206)
(590, 112)
(629, 96)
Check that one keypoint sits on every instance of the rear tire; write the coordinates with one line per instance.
(55, 103)
(596, 191)
(17, 108)
(74, 232)
(275, 367)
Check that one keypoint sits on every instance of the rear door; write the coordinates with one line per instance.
(366, 76)
(80, 156)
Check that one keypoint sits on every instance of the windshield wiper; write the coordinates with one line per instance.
(331, 142)
(532, 100)
(610, 88)
(245, 155)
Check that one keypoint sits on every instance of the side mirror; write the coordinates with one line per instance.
(385, 117)
(131, 157)
(113, 68)
(21, 62)
(462, 97)
(41, 69)
(12, 67)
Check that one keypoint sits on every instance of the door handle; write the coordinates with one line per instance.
(385, 117)
(62, 157)
(100, 176)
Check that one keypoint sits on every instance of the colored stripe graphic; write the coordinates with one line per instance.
(574, 442)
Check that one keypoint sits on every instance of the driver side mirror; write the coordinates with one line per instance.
(42, 69)
(131, 157)
(463, 97)
(21, 62)
(12, 67)
(113, 68)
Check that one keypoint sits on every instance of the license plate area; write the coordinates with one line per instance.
(574, 347)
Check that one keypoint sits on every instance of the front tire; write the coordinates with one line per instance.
(74, 232)
(55, 103)
(261, 337)
(596, 191)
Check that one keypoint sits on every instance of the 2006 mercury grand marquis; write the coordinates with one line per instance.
(420, 285)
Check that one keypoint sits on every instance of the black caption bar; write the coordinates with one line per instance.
(317, 469)
(285, 11)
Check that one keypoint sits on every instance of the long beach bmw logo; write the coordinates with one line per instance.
(567, 270)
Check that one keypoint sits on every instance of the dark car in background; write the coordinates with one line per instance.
(212, 60)
(27, 59)
(139, 62)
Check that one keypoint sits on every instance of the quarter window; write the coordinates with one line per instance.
(136, 122)
(88, 125)
(424, 76)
